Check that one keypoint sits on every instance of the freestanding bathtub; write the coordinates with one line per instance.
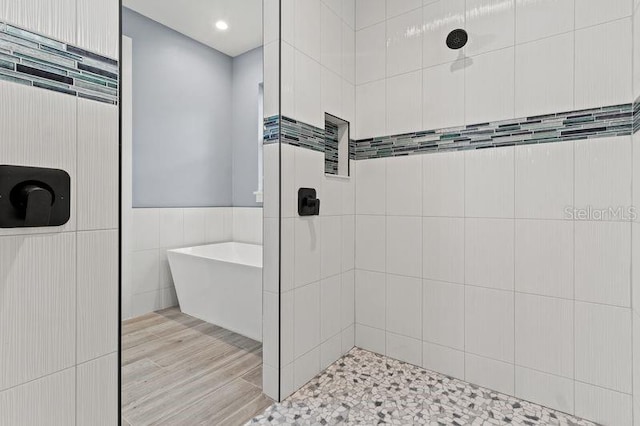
(221, 284)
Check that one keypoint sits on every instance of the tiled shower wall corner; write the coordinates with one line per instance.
(478, 270)
(59, 324)
(316, 264)
(156, 230)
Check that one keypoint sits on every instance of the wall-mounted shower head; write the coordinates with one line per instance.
(457, 39)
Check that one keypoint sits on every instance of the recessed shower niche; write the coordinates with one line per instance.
(336, 147)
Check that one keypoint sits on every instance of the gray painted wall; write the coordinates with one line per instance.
(247, 76)
(182, 101)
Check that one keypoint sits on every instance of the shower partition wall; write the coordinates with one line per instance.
(487, 230)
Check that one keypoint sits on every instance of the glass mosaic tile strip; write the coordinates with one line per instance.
(297, 133)
(331, 148)
(34, 60)
(615, 120)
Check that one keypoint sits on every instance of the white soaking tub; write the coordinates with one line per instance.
(221, 284)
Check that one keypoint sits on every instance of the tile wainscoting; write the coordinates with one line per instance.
(148, 285)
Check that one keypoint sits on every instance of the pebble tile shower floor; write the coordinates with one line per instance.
(363, 388)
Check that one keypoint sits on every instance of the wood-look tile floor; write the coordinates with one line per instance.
(179, 370)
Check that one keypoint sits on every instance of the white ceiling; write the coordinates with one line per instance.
(197, 18)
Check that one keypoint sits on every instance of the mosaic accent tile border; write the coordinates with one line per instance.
(34, 60)
(616, 120)
(300, 134)
(331, 148)
(363, 388)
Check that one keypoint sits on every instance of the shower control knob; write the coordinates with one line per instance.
(34, 201)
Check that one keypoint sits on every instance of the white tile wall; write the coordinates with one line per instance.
(51, 274)
(154, 231)
(516, 294)
(523, 58)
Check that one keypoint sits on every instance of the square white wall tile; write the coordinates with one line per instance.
(97, 391)
(289, 192)
(593, 12)
(370, 243)
(330, 351)
(46, 401)
(195, 231)
(544, 180)
(544, 334)
(443, 360)
(489, 373)
(348, 299)
(272, 338)
(635, 272)
(171, 222)
(348, 242)
(371, 186)
(489, 87)
(348, 339)
(371, 110)
(56, 19)
(218, 224)
(443, 95)
(38, 320)
(404, 103)
(543, 18)
(146, 225)
(306, 318)
(404, 43)
(247, 225)
(404, 189)
(443, 314)
(603, 346)
(286, 104)
(331, 39)
(97, 298)
(331, 93)
(545, 389)
(307, 27)
(369, 12)
(489, 253)
(146, 271)
(489, 183)
(544, 261)
(440, 18)
(370, 339)
(307, 250)
(404, 348)
(330, 307)
(602, 405)
(371, 53)
(404, 306)
(404, 246)
(603, 174)
(306, 367)
(443, 249)
(443, 184)
(97, 180)
(331, 254)
(491, 25)
(489, 323)
(307, 93)
(603, 65)
(99, 27)
(544, 76)
(332, 197)
(603, 262)
(370, 299)
(348, 54)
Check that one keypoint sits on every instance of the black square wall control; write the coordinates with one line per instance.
(34, 197)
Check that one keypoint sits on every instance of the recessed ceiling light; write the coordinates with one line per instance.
(221, 25)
